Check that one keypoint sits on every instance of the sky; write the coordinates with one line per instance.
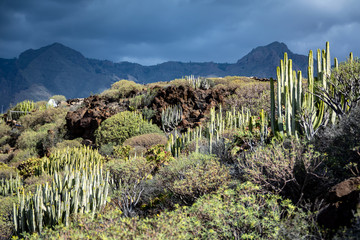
(154, 31)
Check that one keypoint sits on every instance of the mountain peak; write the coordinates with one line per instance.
(54, 50)
(262, 61)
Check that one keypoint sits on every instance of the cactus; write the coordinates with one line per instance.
(198, 83)
(77, 158)
(78, 191)
(10, 186)
(296, 103)
(171, 116)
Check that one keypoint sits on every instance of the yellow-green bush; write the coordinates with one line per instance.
(30, 139)
(122, 126)
(121, 89)
(41, 117)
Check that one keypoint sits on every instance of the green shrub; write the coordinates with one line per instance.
(5, 137)
(192, 176)
(106, 149)
(122, 126)
(146, 140)
(31, 139)
(148, 113)
(5, 157)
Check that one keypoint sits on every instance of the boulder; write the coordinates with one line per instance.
(343, 200)
(84, 121)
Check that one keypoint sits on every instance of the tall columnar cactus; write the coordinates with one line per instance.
(80, 191)
(297, 104)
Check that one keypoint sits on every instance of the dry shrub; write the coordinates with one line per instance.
(254, 96)
(129, 180)
(292, 169)
(32, 181)
(146, 140)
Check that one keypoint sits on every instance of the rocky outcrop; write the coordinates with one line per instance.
(195, 103)
(85, 120)
(343, 200)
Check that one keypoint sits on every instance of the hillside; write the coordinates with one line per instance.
(57, 69)
(193, 158)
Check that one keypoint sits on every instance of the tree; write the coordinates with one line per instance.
(343, 91)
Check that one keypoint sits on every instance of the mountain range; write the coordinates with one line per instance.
(57, 69)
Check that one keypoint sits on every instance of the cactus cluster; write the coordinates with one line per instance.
(77, 158)
(78, 191)
(177, 141)
(219, 122)
(293, 103)
(10, 186)
(21, 109)
(239, 120)
(171, 116)
(198, 83)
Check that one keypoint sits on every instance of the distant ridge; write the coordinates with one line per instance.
(58, 69)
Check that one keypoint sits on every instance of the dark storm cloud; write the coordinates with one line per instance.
(153, 31)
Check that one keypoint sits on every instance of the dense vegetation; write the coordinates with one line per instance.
(259, 166)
